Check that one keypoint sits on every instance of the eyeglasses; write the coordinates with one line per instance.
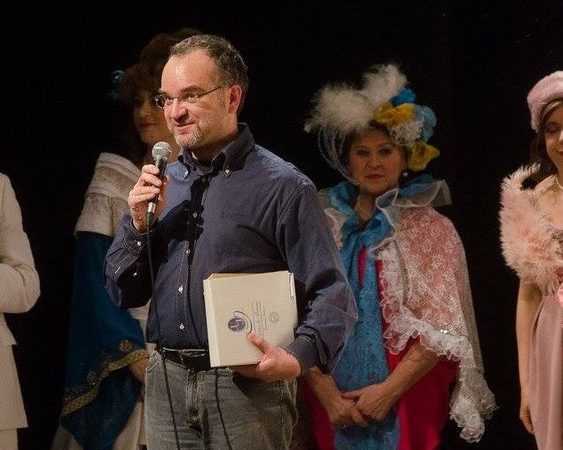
(163, 100)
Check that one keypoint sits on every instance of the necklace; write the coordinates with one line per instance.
(553, 196)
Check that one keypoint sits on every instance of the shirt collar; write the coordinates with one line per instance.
(231, 158)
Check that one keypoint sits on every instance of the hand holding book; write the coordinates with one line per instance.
(237, 305)
(276, 364)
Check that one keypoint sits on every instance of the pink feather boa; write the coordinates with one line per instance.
(528, 239)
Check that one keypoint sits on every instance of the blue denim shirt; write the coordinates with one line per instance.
(251, 212)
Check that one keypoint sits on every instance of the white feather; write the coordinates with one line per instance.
(382, 83)
(341, 107)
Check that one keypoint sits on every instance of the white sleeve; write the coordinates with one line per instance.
(18, 277)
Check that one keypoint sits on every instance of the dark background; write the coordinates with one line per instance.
(472, 62)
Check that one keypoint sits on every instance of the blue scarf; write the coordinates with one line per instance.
(363, 361)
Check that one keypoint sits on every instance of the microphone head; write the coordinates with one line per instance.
(161, 150)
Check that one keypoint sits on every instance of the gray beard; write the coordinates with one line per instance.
(193, 141)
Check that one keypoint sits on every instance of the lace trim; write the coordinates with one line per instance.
(411, 305)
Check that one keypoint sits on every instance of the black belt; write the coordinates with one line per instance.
(195, 359)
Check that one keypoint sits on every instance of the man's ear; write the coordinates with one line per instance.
(235, 97)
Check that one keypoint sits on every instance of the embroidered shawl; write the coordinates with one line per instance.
(100, 392)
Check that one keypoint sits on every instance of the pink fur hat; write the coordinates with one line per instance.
(547, 89)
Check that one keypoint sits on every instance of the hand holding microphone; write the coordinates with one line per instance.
(160, 153)
(144, 197)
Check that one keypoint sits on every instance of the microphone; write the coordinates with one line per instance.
(161, 151)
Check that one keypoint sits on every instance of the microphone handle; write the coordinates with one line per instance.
(160, 163)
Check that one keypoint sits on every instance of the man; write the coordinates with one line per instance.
(227, 205)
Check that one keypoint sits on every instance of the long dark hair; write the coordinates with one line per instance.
(145, 76)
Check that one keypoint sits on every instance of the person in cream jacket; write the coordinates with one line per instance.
(19, 291)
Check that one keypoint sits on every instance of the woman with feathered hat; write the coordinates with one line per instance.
(414, 355)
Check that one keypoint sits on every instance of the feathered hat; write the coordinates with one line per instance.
(384, 98)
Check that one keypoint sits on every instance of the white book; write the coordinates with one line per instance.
(237, 304)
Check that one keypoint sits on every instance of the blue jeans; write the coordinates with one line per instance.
(217, 409)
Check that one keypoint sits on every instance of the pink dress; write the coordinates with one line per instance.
(533, 247)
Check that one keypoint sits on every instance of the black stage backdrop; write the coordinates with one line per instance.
(472, 62)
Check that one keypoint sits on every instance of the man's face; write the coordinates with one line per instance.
(197, 109)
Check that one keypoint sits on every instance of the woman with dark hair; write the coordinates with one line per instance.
(531, 218)
(107, 354)
(139, 86)
(414, 355)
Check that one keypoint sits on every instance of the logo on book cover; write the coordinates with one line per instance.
(240, 322)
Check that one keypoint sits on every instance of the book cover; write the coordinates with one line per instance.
(237, 304)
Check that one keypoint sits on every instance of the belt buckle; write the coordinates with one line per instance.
(195, 359)
(191, 353)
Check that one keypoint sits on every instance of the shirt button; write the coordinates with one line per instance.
(181, 326)
(181, 289)
(194, 215)
(139, 243)
(188, 251)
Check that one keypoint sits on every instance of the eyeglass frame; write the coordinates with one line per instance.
(191, 98)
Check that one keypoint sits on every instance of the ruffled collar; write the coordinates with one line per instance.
(421, 191)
